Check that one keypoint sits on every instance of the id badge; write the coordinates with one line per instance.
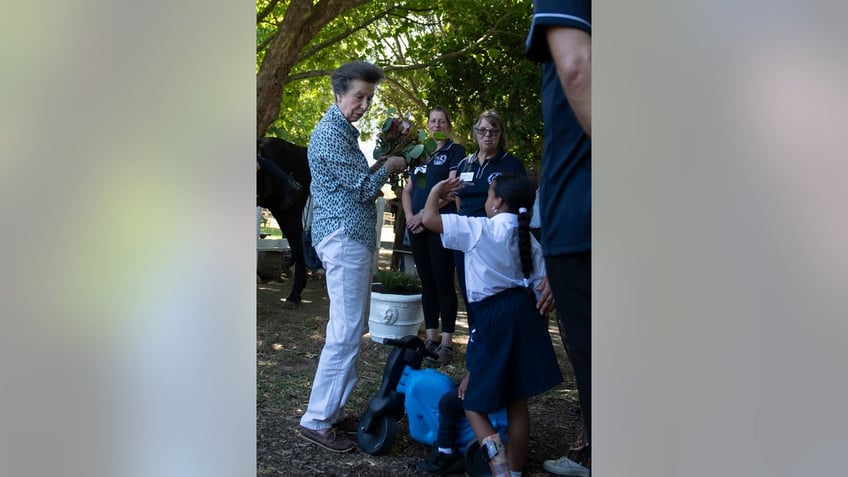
(467, 177)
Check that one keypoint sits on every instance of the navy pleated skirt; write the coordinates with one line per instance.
(510, 355)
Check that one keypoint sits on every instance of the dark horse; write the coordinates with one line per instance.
(281, 161)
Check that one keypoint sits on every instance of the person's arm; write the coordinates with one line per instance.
(454, 173)
(442, 190)
(463, 385)
(571, 50)
(545, 303)
(457, 155)
(413, 221)
(347, 170)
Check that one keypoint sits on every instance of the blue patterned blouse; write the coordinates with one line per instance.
(343, 191)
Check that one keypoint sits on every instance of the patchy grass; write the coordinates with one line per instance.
(287, 349)
(272, 232)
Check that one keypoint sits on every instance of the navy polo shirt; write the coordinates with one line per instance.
(437, 169)
(473, 195)
(565, 185)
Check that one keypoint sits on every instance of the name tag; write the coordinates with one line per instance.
(467, 177)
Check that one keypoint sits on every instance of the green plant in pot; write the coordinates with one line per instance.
(395, 282)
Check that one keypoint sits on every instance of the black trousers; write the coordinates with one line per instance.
(435, 268)
(450, 412)
(570, 277)
(459, 260)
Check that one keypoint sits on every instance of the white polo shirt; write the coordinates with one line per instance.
(492, 264)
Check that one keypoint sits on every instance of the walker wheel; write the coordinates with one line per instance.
(382, 439)
(476, 465)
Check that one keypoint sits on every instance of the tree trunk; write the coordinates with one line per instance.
(301, 23)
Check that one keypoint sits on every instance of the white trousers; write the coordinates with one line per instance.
(348, 270)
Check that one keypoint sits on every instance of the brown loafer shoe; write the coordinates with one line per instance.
(327, 439)
(347, 425)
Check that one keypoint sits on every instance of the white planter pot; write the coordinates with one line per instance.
(394, 316)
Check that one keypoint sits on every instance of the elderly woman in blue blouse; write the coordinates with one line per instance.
(343, 229)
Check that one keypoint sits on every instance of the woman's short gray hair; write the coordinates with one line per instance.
(355, 70)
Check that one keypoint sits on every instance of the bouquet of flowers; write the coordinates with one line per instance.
(397, 137)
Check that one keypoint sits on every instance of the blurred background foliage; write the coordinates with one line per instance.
(466, 55)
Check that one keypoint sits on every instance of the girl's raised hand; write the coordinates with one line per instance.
(448, 187)
(443, 190)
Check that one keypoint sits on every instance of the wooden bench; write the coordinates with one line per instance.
(264, 245)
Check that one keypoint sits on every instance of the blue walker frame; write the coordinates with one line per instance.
(408, 388)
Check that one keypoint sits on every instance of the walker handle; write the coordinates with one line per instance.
(414, 343)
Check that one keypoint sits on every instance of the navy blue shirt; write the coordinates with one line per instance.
(565, 185)
(473, 195)
(437, 169)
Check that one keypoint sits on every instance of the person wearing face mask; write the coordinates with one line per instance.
(477, 172)
(344, 221)
(432, 261)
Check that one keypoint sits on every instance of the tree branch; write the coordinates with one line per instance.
(409, 94)
(341, 36)
(439, 59)
(390, 68)
(267, 41)
(369, 21)
(302, 20)
(266, 11)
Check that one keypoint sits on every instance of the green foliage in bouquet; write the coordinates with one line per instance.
(398, 137)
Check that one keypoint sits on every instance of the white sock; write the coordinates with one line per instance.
(445, 450)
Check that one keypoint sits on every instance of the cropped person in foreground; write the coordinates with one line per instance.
(561, 39)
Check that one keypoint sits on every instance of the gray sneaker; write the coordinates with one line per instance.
(565, 466)
(430, 345)
(445, 354)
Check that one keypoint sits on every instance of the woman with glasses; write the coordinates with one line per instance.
(477, 172)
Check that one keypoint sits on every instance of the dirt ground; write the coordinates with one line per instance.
(288, 343)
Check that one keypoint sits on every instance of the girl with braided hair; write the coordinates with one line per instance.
(510, 356)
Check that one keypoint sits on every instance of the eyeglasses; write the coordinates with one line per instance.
(487, 131)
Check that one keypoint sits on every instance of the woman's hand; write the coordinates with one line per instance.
(413, 223)
(546, 302)
(378, 164)
(395, 164)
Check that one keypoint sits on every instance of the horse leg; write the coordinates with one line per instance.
(292, 226)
